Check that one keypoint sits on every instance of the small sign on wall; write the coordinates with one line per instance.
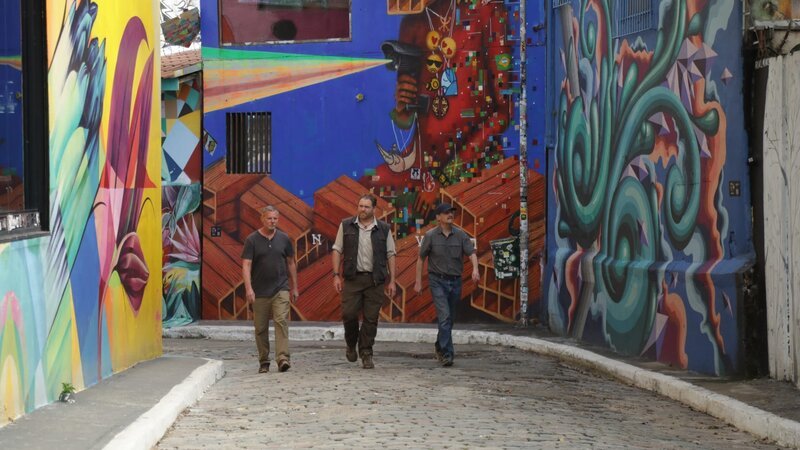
(735, 188)
(216, 231)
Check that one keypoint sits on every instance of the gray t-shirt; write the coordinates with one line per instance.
(446, 253)
(269, 274)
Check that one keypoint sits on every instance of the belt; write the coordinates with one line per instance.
(445, 277)
(363, 273)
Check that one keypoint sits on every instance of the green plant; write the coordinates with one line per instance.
(67, 388)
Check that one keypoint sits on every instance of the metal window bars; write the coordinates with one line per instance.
(249, 138)
(633, 16)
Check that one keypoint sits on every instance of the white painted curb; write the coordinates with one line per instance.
(757, 422)
(149, 428)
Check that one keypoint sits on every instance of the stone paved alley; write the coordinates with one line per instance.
(494, 397)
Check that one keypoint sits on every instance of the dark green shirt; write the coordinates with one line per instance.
(446, 253)
(269, 273)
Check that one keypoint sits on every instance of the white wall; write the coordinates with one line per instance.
(782, 215)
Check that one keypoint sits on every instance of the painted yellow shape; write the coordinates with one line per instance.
(231, 83)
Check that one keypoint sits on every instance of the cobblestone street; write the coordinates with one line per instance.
(493, 397)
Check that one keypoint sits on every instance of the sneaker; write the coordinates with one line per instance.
(447, 361)
(439, 355)
(264, 368)
(366, 362)
(351, 354)
(283, 366)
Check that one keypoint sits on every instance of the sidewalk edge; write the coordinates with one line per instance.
(150, 427)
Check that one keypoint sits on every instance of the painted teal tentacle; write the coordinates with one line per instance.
(588, 39)
(632, 287)
(682, 190)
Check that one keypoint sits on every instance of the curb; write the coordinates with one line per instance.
(149, 428)
(760, 423)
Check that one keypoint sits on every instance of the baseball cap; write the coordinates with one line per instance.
(444, 208)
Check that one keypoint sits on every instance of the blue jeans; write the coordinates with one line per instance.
(446, 294)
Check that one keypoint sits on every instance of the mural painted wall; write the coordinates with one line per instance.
(417, 106)
(84, 302)
(181, 144)
(649, 207)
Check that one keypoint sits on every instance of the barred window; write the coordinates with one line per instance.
(249, 138)
(633, 16)
(560, 3)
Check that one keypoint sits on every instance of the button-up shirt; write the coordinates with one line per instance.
(364, 259)
(446, 252)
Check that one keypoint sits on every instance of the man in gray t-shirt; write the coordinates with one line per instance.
(445, 247)
(268, 268)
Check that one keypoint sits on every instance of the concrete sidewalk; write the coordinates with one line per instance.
(134, 409)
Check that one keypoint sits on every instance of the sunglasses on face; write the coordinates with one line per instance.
(433, 62)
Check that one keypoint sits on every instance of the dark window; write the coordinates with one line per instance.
(23, 118)
(633, 16)
(249, 137)
(245, 22)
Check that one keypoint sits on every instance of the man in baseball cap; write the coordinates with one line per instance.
(445, 247)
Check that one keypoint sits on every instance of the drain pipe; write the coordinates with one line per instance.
(523, 167)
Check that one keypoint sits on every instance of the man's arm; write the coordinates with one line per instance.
(473, 258)
(336, 259)
(424, 248)
(292, 266)
(247, 265)
(418, 279)
(392, 288)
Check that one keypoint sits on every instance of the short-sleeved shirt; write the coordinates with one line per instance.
(364, 258)
(269, 273)
(446, 253)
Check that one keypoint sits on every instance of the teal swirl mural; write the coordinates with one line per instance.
(640, 157)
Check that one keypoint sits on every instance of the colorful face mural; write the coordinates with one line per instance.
(82, 303)
(180, 177)
(419, 108)
(641, 219)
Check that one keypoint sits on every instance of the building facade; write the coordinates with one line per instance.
(80, 293)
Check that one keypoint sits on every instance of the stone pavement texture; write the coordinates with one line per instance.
(493, 397)
(525, 390)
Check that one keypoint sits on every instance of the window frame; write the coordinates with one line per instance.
(35, 122)
(276, 42)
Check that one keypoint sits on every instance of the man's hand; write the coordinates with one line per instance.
(337, 284)
(391, 289)
(475, 275)
(293, 294)
(251, 296)
(418, 286)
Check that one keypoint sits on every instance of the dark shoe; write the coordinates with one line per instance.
(366, 362)
(283, 366)
(439, 355)
(264, 368)
(351, 354)
(447, 361)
